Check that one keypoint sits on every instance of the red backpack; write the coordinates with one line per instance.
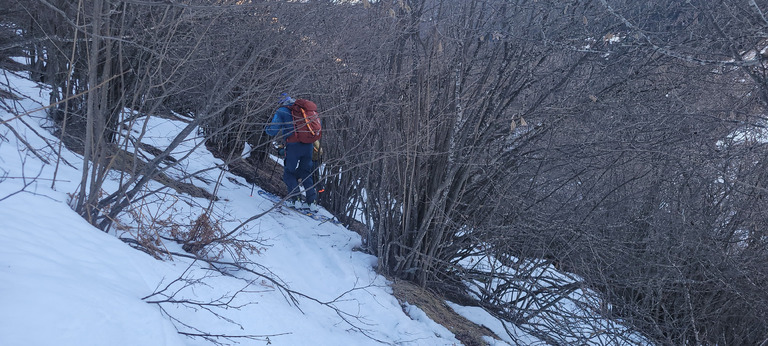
(306, 122)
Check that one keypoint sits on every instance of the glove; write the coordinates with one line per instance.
(281, 152)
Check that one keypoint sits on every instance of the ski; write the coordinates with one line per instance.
(306, 212)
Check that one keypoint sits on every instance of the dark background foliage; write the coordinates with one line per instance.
(619, 140)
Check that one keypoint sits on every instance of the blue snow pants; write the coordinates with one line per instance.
(298, 167)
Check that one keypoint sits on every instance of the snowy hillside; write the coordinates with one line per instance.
(64, 282)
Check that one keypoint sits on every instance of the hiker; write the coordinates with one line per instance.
(317, 161)
(297, 165)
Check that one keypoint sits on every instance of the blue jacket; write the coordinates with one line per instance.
(282, 121)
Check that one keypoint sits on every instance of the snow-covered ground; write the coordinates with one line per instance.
(64, 282)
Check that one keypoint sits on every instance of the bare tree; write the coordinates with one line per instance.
(645, 191)
(618, 140)
(563, 132)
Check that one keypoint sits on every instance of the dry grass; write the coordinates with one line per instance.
(434, 306)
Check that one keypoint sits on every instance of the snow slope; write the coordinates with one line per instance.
(64, 282)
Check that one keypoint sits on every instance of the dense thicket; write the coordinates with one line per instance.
(621, 140)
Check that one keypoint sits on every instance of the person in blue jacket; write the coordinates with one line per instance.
(297, 166)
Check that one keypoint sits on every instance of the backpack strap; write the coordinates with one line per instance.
(306, 121)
